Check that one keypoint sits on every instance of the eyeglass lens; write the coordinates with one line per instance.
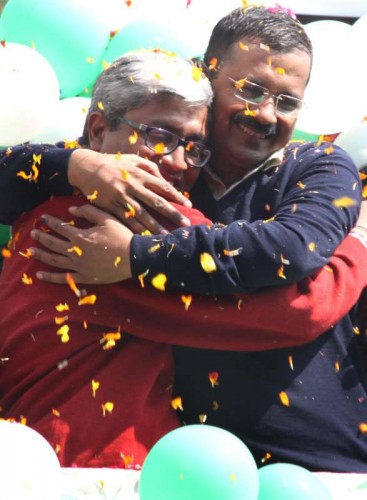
(256, 95)
(165, 142)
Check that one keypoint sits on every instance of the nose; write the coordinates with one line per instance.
(174, 162)
(266, 112)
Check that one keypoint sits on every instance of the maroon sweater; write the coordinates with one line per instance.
(101, 405)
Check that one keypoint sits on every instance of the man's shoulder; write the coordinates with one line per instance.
(303, 154)
(295, 150)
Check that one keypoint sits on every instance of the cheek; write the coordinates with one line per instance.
(189, 178)
(285, 129)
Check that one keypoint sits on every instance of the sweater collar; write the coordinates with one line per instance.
(219, 190)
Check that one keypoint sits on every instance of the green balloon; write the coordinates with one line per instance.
(290, 482)
(4, 235)
(299, 135)
(144, 34)
(70, 34)
(199, 462)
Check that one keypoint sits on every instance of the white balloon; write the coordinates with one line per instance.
(30, 469)
(334, 88)
(358, 59)
(354, 141)
(66, 123)
(29, 89)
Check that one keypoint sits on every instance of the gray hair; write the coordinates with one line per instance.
(139, 78)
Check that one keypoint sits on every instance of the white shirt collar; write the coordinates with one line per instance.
(219, 189)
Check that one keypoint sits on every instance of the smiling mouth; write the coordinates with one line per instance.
(254, 129)
(252, 132)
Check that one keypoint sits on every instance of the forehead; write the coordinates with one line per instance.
(258, 62)
(173, 113)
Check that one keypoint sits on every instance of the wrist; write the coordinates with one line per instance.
(82, 162)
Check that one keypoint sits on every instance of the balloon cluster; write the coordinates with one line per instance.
(53, 51)
(197, 462)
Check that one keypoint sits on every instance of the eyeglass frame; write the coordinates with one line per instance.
(180, 142)
(265, 96)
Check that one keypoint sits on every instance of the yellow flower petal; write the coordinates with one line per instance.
(207, 263)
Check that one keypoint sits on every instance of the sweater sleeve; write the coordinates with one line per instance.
(317, 203)
(29, 175)
(272, 318)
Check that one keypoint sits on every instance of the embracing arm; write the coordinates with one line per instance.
(31, 174)
(276, 317)
(318, 204)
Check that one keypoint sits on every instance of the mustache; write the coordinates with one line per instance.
(249, 121)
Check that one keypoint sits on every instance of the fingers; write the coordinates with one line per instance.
(89, 212)
(61, 278)
(51, 242)
(52, 259)
(58, 278)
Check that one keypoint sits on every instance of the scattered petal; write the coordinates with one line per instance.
(76, 250)
(72, 285)
(187, 300)
(266, 457)
(62, 307)
(130, 212)
(93, 196)
(207, 263)
(27, 280)
(203, 418)
(290, 361)
(133, 137)
(142, 276)
(284, 398)
(344, 202)
(95, 387)
(64, 333)
(280, 272)
(107, 407)
(159, 282)
(213, 378)
(176, 403)
(88, 299)
(233, 253)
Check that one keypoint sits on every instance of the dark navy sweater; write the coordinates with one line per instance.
(304, 405)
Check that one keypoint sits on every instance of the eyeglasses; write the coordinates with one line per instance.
(256, 95)
(164, 142)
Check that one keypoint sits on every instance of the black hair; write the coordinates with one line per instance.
(275, 28)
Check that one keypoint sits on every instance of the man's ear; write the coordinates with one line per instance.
(97, 127)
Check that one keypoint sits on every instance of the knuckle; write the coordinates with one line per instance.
(158, 203)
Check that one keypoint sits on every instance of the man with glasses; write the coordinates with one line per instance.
(285, 208)
(68, 368)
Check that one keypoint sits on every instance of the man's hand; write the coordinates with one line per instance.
(122, 184)
(100, 254)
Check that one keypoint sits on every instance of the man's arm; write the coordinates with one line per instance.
(319, 205)
(277, 317)
(120, 184)
(29, 175)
